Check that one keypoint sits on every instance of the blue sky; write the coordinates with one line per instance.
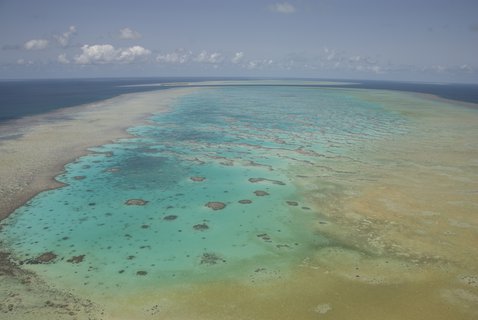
(414, 40)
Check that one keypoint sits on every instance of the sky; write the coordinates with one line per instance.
(407, 40)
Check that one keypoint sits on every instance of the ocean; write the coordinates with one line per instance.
(19, 98)
(249, 186)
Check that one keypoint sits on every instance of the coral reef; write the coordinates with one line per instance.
(216, 205)
(44, 258)
(211, 258)
(76, 259)
(136, 202)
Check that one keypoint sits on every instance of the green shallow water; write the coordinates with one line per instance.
(238, 140)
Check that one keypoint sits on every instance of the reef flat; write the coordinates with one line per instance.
(267, 203)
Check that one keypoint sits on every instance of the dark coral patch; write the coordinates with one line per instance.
(141, 273)
(245, 201)
(201, 227)
(145, 226)
(264, 236)
(215, 205)
(76, 259)
(44, 258)
(256, 180)
(136, 202)
(211, 258)
(171, 217)
(79, 177)
(261, 193)
(292, 203)
(282, 246)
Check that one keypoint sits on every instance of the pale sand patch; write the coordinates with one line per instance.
(29, 162)
(247, 83)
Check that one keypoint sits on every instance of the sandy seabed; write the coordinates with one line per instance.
(401, 217)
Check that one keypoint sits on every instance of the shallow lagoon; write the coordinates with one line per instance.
(315, 165)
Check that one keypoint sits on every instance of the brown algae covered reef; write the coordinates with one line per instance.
(403, 213)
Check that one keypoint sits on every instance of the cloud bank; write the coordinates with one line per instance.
(238, 57)
(180, 56)
(106, 53)
(64, 38)
(214, 57)
(129, 34)
(63, 59)
(36, 44)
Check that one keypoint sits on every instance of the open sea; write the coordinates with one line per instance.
(19, 98)
(234, 183)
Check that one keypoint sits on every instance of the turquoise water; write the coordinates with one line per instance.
(234, 146)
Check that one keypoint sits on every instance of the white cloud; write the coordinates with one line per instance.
(214, 59)
(179, 56)
(258, 64)
(36, 44)
(206, 57)
(448, 69)
(106, 53)
(63, 59)
(99, 53)
(376, 69)
(129, 34)
(24, 62)
(283, 7)
(130, 54)
(238, 57)
(330, 54)
(466, 68)
(337, 59)
(64, 38)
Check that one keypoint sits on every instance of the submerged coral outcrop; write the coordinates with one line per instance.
(136, 202)
(215, 205)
